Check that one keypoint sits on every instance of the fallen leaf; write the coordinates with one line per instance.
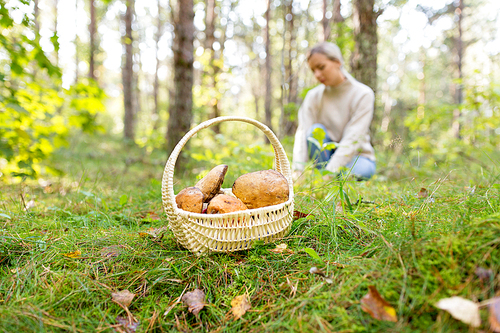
(484, 274)
(316, 270)
(298, 215)
(151, 232)
(111, 251)
(422, 193)
(281, 248)
(195, 300)
(377, 307)
(240, 305)
(123, 297)
(494, 317)
(75, 254)
(461, 309)
(128, 325)
(153, 216)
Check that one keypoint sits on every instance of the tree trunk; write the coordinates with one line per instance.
(127, 74)
(267, 72)
(77, 49)
(181, 112)
(92, 33)
(364, 59)
(325, 22)
(337, 19)
(209, 44)
(289, 123)
(156, 85)
(459, 89)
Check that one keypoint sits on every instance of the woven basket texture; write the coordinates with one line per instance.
(203, 233)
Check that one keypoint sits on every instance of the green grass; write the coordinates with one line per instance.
(414, 250)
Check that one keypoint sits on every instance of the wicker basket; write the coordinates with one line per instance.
(201, 233)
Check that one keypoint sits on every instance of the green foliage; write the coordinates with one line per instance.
(431, 126)
(36, 115)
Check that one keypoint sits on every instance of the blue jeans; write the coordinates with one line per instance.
(359, 166)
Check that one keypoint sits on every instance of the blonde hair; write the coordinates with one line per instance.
(330, 50)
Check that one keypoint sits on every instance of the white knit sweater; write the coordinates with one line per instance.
(346, 111)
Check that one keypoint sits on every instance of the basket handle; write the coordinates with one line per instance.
(281, 162)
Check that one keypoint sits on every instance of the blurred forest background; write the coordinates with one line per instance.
(144, 72)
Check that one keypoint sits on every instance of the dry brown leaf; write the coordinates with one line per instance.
(422, 193)
(461, 309)
(195, 300)
(298, 215)
(494, 317)
(282, 248)
(123, 297)
(240, 305)
(153, 216)
(74, 254)
(126, 325)
(377, 307)
(151, 232)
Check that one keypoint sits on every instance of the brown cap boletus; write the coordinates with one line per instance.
(223, 203)
(211, 183)
(190, 199)
(261, 188)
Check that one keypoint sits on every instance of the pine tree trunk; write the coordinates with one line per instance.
(128, 75)
(92, 33)
(181, 112)
(268, 96)
(364, 59)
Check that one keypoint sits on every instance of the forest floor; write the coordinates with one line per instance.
(71, 245)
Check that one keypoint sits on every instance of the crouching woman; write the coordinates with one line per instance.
(343, 108)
